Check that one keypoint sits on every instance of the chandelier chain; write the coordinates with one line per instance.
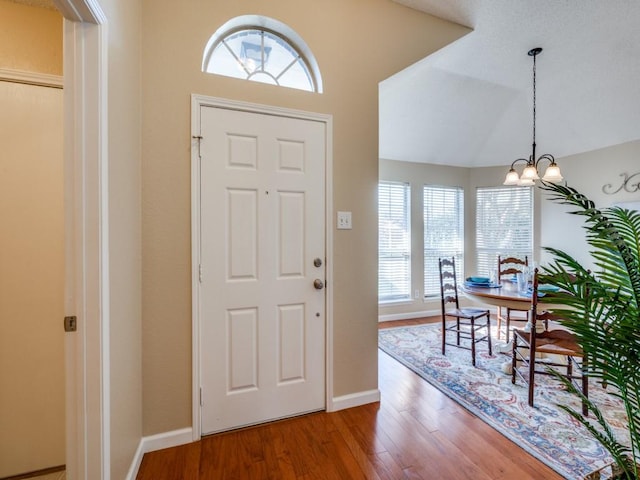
(534, 100)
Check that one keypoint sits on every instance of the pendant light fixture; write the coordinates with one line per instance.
(530, 172)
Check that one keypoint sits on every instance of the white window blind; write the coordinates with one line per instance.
(504, 225)
(394, 242)
(443, 209)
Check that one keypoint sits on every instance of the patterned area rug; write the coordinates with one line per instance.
(545, 431)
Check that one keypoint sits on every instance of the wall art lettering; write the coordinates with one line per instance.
(630, 183)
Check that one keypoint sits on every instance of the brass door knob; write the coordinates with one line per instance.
(318, 284)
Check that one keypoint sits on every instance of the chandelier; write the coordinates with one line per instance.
(530, 172)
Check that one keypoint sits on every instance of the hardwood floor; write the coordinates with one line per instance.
(414, 432)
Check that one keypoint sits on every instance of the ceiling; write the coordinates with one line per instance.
(470, 103)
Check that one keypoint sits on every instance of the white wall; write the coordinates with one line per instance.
(588, 173)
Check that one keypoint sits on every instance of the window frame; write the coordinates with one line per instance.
(396, 260)
(283, 34)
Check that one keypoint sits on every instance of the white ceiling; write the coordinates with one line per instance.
(470, 104)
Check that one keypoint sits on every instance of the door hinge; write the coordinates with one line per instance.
(201, 403)
(200, 273)
(199, 139)
(70, 323)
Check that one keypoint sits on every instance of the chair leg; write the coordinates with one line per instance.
(585, 386)
(499, 321)
(532, 372)
(514, 360)
(508, 322)
(444, 333)
(489, 333)
(457, 331)
(473, 342)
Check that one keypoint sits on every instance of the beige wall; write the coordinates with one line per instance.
(357, 44)
(31, 246)
(125, 262)
(30, 39)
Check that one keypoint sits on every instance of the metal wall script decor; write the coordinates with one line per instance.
(627, 184)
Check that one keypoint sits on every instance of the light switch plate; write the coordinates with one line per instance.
(344, 220)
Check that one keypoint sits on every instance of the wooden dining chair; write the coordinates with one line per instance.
(538, 351)
(509, 266)
(464, 327)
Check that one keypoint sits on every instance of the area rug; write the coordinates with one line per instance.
(545, 431)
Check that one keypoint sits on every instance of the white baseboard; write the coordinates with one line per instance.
(354, 400)
(409, 315)
(158, 442)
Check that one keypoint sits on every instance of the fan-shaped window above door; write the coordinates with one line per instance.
(264, 50)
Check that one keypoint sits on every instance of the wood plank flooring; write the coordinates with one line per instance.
(415, 432)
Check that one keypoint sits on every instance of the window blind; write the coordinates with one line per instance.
(504, 225)
(394, 242)
(443, 209)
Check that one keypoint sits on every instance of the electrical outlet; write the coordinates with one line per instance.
(344, 220)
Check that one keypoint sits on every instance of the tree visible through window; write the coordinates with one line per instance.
(394, 242)
(443, 210)
(504, 225)
(262, 52)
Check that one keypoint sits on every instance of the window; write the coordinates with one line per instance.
(504, 225)
(443, 209)
(262, 50)
(394, 242)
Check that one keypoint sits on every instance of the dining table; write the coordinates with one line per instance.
(505, 294)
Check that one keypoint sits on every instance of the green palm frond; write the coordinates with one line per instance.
(602, 308)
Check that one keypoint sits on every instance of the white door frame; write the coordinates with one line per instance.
(198, 101)
(86, 239)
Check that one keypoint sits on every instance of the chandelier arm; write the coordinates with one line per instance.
(519, 160)
(548, 157)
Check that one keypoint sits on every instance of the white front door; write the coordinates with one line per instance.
(262, 246)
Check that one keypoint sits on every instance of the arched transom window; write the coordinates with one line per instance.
(263, 50)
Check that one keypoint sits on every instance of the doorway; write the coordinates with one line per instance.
(32, 377)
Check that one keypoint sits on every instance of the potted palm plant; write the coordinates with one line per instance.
(601, 305)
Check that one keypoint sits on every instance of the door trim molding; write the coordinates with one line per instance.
(31, 78)
(88, 440)
(198, 101)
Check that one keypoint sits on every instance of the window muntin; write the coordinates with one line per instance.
(262, 55)
(394, 242)
(443, 210)
(504, 225)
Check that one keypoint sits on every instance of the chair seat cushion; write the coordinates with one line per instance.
(467, 312)
(558, 342)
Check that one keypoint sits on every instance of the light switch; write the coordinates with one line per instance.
(344, 220)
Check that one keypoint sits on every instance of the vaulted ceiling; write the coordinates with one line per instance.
(470, 104)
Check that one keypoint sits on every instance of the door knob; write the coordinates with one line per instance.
(317, 262)
(318, 284)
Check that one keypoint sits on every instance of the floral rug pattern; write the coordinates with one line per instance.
(545, 431)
